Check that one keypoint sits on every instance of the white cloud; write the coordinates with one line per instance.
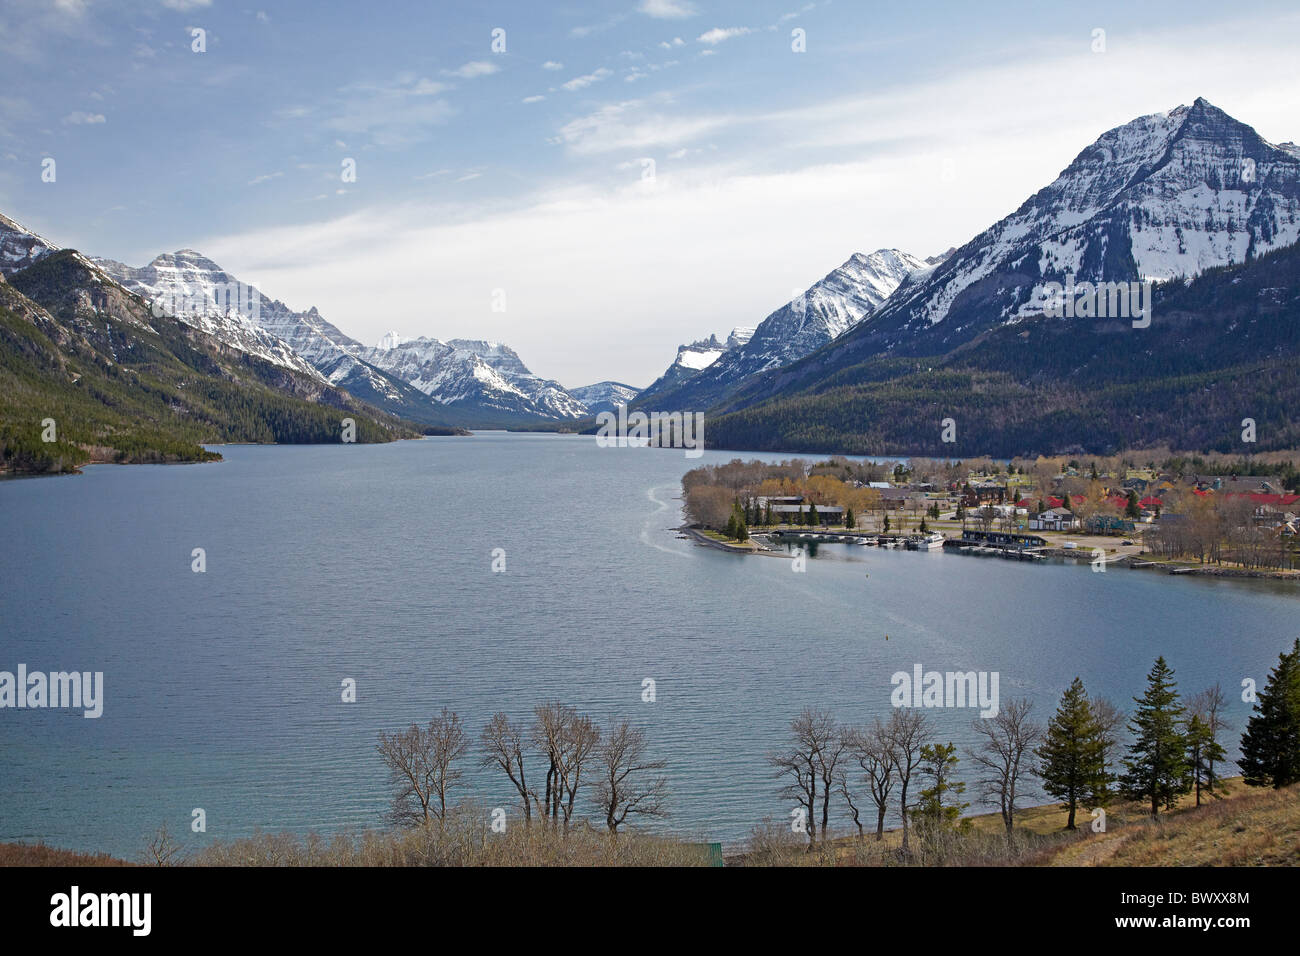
(667, 9)
(716, 238)
(258, 180)
(532, 99)
(633, 125)
(474, 68)
(80, 118)
(675, 41)
(186, 5)
(552, 65)
(582, 82)
(719, 34)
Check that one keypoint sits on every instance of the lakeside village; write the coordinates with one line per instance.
(1232, 517)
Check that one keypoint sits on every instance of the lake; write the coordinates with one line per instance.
(374, 563)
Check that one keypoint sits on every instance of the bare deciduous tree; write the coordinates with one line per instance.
(906, 732)
(504, 743)
(1209, 705)
(1004, 770)
(867, 748)
(162, 850)
(622, 790)
(568, 739)
(420, 766)
(1110, 721)
(806, 762)
(828, 760)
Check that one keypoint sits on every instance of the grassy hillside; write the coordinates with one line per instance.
(1250, 828)
(1246, 827)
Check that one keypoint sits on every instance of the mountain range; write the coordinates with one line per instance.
(1166, 198)
(811, 319)
(472, 383)
(867, 359)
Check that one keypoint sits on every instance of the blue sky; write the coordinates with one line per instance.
(632, 175)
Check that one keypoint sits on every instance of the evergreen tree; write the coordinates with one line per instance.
(1157, 769)
(925, 528)
(812, 514)
(1270, 747)
(886, 523)
(1132, 509)
(1072, 754)
(849, 520)
(767, 517)
(731, 526)
(932, 812)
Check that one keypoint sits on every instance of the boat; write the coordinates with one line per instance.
(931, 542)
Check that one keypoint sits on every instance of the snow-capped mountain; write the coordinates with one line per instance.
(473, 372)
(20, 247)
(202, 294)
(604, 396)
(694, 358)
(1166, 195)
(414, 378)
(830, 307)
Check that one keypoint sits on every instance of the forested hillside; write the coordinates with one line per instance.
(1220, 349)
(123, 385)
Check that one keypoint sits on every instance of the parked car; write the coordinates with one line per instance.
(1069, 546)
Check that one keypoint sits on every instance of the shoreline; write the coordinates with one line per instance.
(1139, 561)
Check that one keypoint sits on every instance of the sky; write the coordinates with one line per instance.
(592, 184)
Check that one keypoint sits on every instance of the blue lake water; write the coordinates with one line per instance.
(222, 689)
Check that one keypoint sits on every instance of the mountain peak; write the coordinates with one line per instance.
(20, 247)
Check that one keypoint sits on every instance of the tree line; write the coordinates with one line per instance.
(611, 769)
(1174, 749)
(561, 762)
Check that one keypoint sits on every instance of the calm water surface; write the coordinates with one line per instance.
(374, 563)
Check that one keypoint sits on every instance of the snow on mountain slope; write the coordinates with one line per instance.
(1165, 195)
(604, 396)
(201, 294)
(693, 358)
(838, 302)
(472, 371)
(700, 354)
(842, 299)
(472, 374)
(195, 286)
(20, 247)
